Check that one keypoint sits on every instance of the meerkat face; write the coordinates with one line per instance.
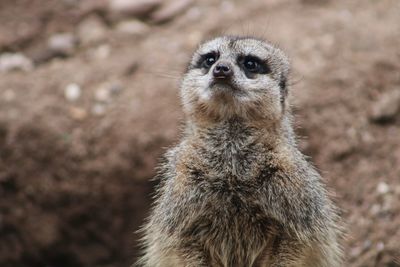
(236, 76)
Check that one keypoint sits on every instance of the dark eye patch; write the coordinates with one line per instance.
(207, 60)
(253, 65)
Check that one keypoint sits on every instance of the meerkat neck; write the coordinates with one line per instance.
(236, 128)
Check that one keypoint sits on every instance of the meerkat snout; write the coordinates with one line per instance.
(222, 70)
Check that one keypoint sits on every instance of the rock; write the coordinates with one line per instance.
(375, 209)
(101, 52)
(63, 43)
(102, 95)
(380, 246)
(132, 27)
(59, 45)
(136, 8)
(387, 107)
(170, 10)
(77, 113)
(15, 61)
(106, 91)
(72, 92)
(382, 188)
(356, 251)
(92, 30)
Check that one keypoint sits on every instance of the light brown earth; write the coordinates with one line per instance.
(75, 175)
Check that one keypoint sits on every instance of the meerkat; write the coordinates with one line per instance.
(236, 191)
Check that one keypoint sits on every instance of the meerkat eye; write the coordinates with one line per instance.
(208, 60)
(251, 65)
(254, 65)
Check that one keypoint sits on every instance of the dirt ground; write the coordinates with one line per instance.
(89, 101)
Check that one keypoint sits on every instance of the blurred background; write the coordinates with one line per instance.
(89, 101)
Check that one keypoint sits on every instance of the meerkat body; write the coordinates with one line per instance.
(236, 191)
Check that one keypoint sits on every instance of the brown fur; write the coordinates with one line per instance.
(236, 191)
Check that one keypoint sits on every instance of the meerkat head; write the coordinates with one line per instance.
(236, 77)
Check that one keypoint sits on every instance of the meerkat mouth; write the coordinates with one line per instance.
(223, 85)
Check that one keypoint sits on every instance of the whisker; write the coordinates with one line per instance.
(174, 75)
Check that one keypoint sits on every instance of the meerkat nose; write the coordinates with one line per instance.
(222, 70)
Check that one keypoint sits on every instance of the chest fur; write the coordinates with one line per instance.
(226, 182)
(225, 172)
(230, 153)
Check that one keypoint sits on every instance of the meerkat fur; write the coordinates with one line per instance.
(236, 191)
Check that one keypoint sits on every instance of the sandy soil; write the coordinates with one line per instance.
(76, 164)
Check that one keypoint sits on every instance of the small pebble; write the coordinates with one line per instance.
(77, 113)
(137, 8)
(92, 30)
(103, 94)
(382, 188)
(375, 209)
(380, 246)
(72, 92)
(356, 251)
(62, 42)
(101, 52)
(15, 61)
(132, 27)
(387, 107)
